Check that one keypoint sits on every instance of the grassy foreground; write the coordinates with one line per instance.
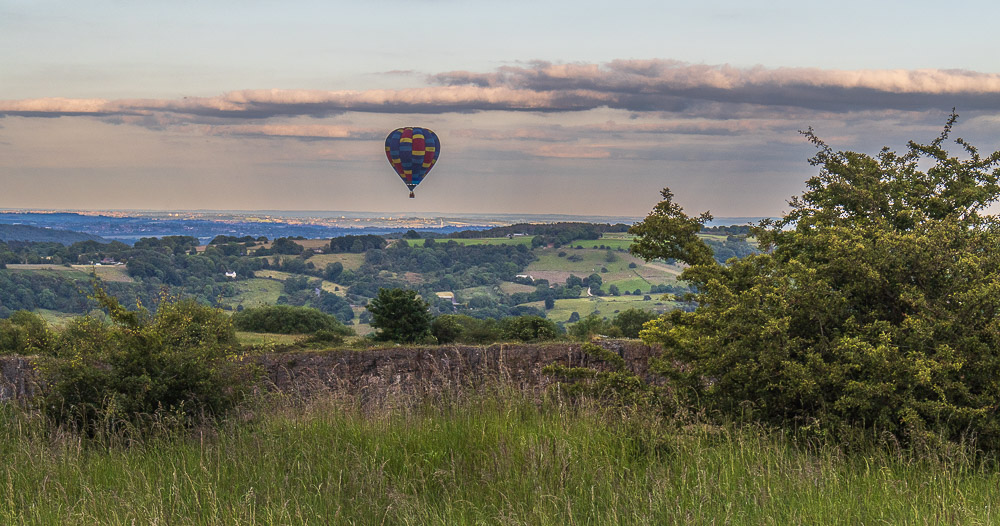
(478, 460)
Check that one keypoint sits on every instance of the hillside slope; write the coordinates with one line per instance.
(51, 235)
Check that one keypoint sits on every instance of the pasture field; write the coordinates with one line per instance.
(254, 293)
(78, 272)
(632, 283)
(349, 261)
(464, 295)
(519, 240)
(277, 276)
(56, 319)
(606, 306)
(509, 287)
(557, 269)
(108, 272)
(502, 457)
(612, 241)
(273, 274)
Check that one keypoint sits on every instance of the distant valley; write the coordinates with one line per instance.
(130, 226)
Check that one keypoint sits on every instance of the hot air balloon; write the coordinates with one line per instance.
(412, 152)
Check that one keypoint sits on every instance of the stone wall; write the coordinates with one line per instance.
(392, 370)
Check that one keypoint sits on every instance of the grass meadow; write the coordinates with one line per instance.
(503, 457)
(349, 261)
(77, 272)
(606, 306)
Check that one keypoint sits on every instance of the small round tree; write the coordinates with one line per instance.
(400, 316)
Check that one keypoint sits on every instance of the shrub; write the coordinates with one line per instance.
(459, 328)
(24, 333)
(448, 328)
(180, 362)
(873, 308)
(593, 325)
(630, 321)
(528, 328)
(286, 319)
(324, 338)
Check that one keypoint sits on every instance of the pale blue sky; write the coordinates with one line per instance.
(544, 107)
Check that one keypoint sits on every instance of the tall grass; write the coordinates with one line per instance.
(500, 458)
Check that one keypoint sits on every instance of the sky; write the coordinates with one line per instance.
(546, 107)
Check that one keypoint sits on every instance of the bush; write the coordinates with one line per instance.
(594, 325)
(528, 328)
(25, 333)
(872, 310)
(180, 362)
(447, 328)
(459, 328)
(630, 321)
(286, 319)
(324, 338)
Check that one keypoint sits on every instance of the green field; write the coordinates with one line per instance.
(278, 275)
(556, 269)
(78, 272)
(508, 287)
(520, 240)
(606, 306)
(614, 241)
(56, 319)
(349, 261)
(632, 283)
(254, 292)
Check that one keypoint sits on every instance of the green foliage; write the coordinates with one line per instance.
(528, 328)
(284, 245)
(874, 309)
(400, 316)
(179, 363)
(668, 233)
(613, 382)
(449, 328)
(631, 320)
(357, 244)
(324, 338)
(288, 319)
(593, 325)
(25, 333)
(333, 271)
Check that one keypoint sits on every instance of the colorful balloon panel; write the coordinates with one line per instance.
(412, 152)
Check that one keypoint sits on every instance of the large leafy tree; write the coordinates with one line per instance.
(873, 308)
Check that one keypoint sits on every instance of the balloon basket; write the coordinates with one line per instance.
(411, 195)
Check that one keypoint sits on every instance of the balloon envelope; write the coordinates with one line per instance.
(412, 152)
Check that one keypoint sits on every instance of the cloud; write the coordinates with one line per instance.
(572, 152)
(648, 85)
(295, 131)
(640, 86)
